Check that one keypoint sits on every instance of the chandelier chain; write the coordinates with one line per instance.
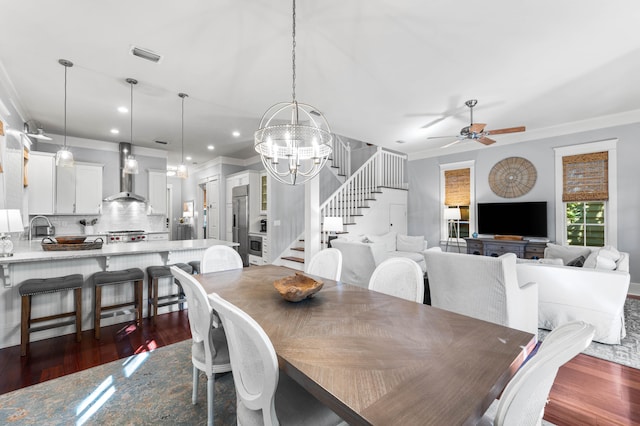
(293, 53)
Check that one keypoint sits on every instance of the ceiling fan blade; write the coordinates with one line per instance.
(441, 137)
(485, 140)
(450, 144)
(507, 130)
(477, 127)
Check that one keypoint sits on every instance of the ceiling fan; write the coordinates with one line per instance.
(475, 131)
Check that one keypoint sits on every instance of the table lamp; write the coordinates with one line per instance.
(332, 224)
(10, 221)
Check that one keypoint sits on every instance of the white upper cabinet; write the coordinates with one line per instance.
(157, 197)
(79, 189)
(41, 182)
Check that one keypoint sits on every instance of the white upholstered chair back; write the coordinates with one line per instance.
(523, 400)
(326, 263)
(400, 277)
(482, 287)
(209, 350)
(220, 258)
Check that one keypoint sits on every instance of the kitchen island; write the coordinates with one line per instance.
(31, 261)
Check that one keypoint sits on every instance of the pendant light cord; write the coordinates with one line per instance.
(131, 115)
(293, 53)
(182, 134)
(65, 106)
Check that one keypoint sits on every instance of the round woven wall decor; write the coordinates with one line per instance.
(512, 177)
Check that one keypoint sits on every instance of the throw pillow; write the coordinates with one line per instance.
(388, 239)
(409, 243)
(577, 262)
(605, 263)
(566, 253)
(591, 260)
(609, 252)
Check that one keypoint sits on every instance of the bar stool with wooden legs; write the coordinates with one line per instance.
(37, 286)
(195, 264)
(125, 276)
(155, 273)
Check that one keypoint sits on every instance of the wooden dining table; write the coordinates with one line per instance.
(376, 359)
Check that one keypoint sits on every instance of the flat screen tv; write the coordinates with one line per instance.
(527, 219)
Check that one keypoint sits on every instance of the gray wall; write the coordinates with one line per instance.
(424, 183)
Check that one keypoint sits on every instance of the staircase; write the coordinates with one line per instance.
(355, 198)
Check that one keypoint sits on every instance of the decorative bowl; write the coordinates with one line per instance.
(297, 287)
(70, 240)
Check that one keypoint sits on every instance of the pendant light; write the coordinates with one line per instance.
(182, 168)
(296, 151)
(64, 157)
(131, 164)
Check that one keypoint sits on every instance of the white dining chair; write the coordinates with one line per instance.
(400, 277)
(220, 258)
(209, 350)
(523, 400)
(264, 397)
(326, 263)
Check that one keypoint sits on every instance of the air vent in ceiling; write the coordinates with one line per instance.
(162, 142)
(145, 54)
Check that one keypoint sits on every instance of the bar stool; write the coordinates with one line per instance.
(36, 286)
(154, 274)
(125, 276)
(195, 264)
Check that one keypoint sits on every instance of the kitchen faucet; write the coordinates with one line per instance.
(33, 220)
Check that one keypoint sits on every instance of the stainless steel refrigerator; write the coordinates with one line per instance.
(240, 227)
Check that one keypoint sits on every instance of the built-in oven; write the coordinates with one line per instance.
(255, 245)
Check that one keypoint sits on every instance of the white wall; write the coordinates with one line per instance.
(424, 204)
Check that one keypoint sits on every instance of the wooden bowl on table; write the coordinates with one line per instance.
(297, 287)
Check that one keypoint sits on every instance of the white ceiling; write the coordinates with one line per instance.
(380, 70)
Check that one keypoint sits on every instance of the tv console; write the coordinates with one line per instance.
(523, 249)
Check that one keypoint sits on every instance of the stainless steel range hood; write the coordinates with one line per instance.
(126, 180)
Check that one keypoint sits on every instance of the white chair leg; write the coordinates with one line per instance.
(210, 393)
(194, 395)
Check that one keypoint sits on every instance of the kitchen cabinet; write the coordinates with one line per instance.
(79, 189)
(263, 193)
(157, 197)
(158, 236)
(213, 208)
(42, 178)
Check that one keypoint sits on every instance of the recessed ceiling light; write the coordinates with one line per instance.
(187, 158)
(210, 147)
(123, 109)
(115, 131)
(235, 133)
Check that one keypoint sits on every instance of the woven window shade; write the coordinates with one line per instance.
(585, 177)
(457, 187)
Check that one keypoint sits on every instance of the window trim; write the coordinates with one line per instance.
(611, 205)
(469, 164)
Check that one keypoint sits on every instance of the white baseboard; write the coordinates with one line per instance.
(634, 289)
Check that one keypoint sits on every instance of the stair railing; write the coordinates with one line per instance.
(341, 156)
(383, 169)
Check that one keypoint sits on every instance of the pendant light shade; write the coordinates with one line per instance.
(131, 164)
(64, 157)
(296, 151)
(182, 171)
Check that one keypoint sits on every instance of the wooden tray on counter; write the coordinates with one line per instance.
(52, 245)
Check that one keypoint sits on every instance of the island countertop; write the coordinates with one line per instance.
(26, 251)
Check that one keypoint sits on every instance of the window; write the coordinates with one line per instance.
(457, 191)
(586, 196)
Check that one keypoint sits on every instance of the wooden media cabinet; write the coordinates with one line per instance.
(523, 249)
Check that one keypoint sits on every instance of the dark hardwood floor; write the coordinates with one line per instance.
(587, 390)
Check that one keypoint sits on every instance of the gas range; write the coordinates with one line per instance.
(126, 236)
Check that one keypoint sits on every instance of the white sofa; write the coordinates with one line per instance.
(483, 287)
(361, 254)
(589, 294)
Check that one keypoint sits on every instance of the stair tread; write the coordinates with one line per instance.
(297, 248)
(294, 259)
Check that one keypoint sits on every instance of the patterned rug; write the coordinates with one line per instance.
(628, 351)
(118, 393)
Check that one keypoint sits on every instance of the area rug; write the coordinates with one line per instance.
(628, 351)
(146, 389)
